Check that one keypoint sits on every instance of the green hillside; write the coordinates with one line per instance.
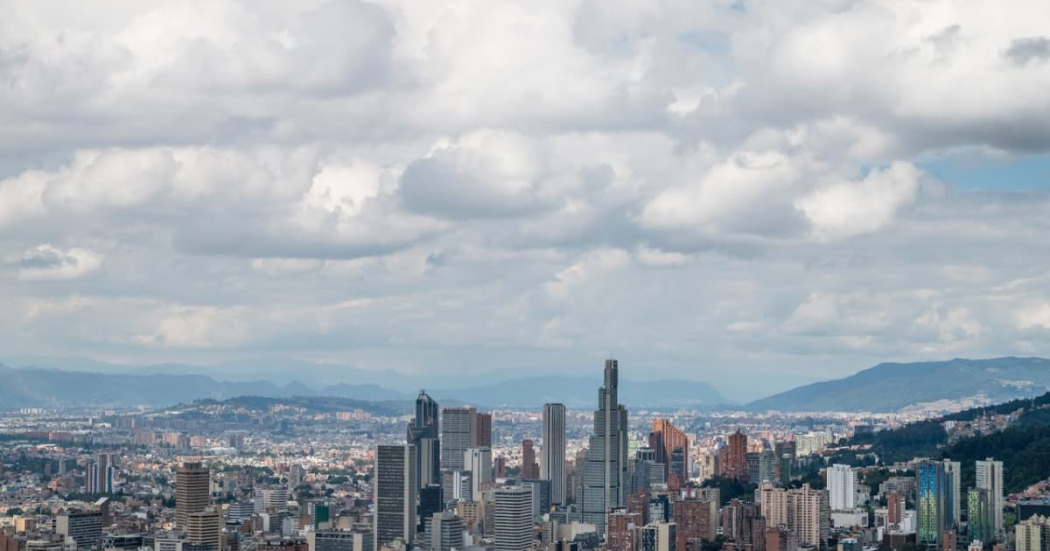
(1023, 447)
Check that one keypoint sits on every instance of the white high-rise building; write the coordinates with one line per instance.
(842, 487)
(954, 470)
(513, 518)
(1031, 534)
(552, 460)
(478, 462)
(990, 477)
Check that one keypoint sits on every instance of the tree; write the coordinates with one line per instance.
(715, 545)
(730, 488)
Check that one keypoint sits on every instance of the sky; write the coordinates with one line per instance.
(756, 194)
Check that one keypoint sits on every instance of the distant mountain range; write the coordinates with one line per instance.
(53, 388)
(893, 386)
(36, 387)
(884, 388)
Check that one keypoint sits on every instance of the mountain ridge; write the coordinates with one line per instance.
(892, 386)
(48, 387)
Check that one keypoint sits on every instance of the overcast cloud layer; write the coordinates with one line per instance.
(730, 191)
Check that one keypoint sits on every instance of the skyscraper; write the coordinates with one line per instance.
(658, 536)
(990, 477)
(785, 470)
(513, 518)
(894, 508)
(697, 521)
(785, 447)
(271, 500)
(444, 531)
(457, 485)
(809, 515)
(736, 457)
(296, 475)
(100, 475)
(483, 438)
(780, 538)
(767, 467)
(395, 490)
(458, 433)
(842, 487)
(530, 470)
(204, 529)
(541, 495)
(665, 439)
(430, 502)
(804, 511)
(192, 492)
(622, 529)
(933, 508)
(954, 506)
(605, 471)
(478, 462)
(659, 508)
(774, 502)
(739, 523)
(1032, 534)
(752, 460)
(423, 434)
(979, 516)
(552, 467)
(85, 527)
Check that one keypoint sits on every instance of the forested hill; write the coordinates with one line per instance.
(1023, 446)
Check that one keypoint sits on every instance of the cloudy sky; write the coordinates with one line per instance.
(755, 193)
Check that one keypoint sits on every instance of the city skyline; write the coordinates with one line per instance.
(493, 275)
(263, 469)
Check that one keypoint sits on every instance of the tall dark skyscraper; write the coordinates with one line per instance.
(483, 438)
(553, 465)
(423, 434)
(605, 472)
(430, 499)
(395, 496)
(530, 470)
